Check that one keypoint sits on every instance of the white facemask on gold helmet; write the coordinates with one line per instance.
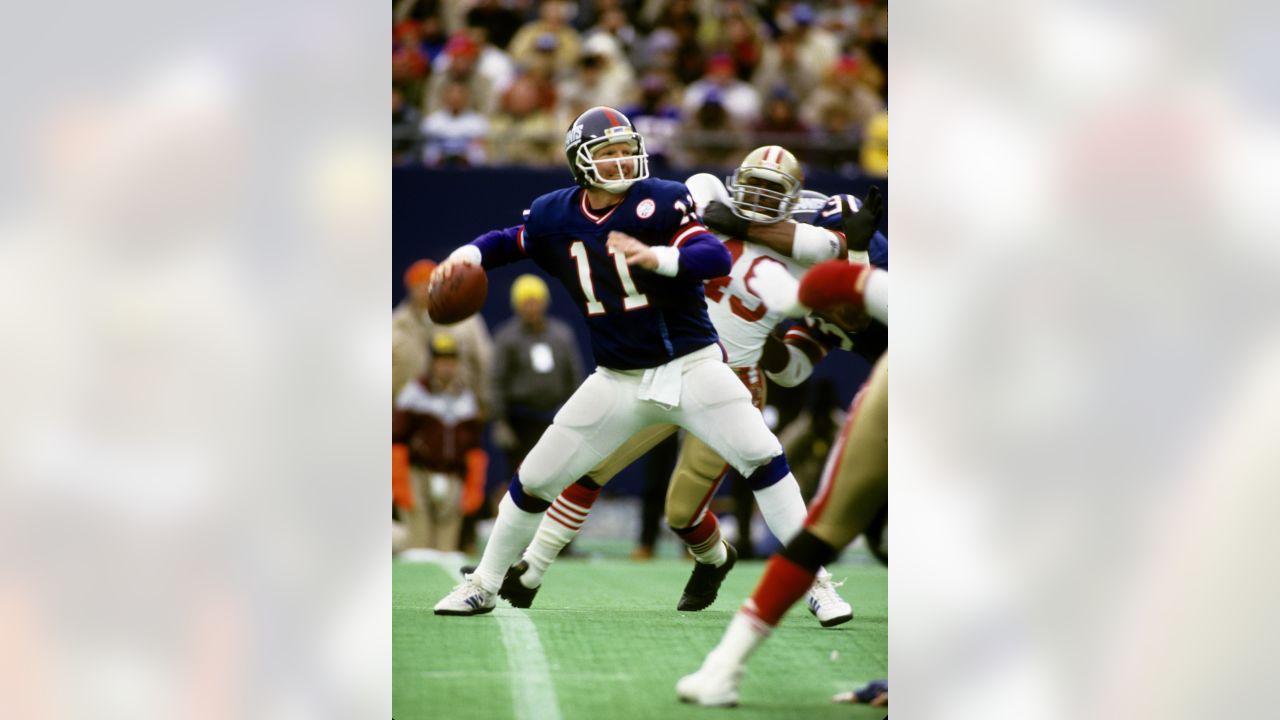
(766, 186)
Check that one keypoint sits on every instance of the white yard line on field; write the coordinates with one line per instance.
(533, 695)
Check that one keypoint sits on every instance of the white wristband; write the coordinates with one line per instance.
(875, 295)
(668, 260)
(468, 254)
(813, 244)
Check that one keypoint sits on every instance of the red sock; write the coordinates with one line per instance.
(703, 537)
(572, 505)
(783, 584)
(581, 495)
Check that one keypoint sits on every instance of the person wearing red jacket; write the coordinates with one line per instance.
(436, 437)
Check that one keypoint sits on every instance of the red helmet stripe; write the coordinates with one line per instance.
(613, 119)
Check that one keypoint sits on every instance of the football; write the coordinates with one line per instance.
(459, 296)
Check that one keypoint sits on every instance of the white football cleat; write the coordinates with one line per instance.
(827, 605)
(468, 598)
(715, 684)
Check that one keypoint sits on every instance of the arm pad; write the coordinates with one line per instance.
(705, 187)
(813, 244)
(799, 368)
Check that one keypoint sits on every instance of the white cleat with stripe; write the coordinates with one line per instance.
(468, 598)
(827, 605)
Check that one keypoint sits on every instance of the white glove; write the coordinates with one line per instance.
(775, 286)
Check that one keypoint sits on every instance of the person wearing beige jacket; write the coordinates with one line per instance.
(412, 331)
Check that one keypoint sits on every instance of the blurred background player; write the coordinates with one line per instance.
(631, 252)
(766, 190)
(411, 328)
(435, 434)
(809, 438)
(854, 486)
(659, 464)
(536, 368)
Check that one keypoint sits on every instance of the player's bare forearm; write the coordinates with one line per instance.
(781, 238)
(778, 237)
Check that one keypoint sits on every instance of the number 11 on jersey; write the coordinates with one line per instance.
(632, 300)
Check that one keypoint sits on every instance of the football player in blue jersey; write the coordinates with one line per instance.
(790, 227)
(630, 251)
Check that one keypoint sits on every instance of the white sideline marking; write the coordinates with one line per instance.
(505, 673)
(533, 696)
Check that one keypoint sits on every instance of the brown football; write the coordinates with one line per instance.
(459, 296)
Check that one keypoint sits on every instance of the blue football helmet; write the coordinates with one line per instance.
(594, 129)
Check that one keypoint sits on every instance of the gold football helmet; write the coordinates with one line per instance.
(766, 186)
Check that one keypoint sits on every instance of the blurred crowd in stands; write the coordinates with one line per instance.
(496, 82)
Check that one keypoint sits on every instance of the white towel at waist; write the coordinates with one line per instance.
(661, 385)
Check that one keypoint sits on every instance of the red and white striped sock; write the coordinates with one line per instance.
(558, 528)
(704, 542)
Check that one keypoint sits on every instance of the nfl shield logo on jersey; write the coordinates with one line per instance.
(645, 208)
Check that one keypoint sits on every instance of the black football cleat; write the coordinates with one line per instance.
(514, 591)
(705, 581)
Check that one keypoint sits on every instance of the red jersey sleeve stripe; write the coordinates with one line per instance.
(520, 240)
(812, 349)
(686, 232)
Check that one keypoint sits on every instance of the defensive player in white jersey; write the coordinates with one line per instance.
(766, 194)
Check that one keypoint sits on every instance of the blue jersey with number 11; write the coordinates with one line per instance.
(637, 318)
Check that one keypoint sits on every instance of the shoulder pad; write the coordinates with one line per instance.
(661, 189)
(549, 203)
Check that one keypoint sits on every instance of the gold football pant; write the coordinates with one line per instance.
(855, 481)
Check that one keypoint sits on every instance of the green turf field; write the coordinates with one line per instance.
(613, 647)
